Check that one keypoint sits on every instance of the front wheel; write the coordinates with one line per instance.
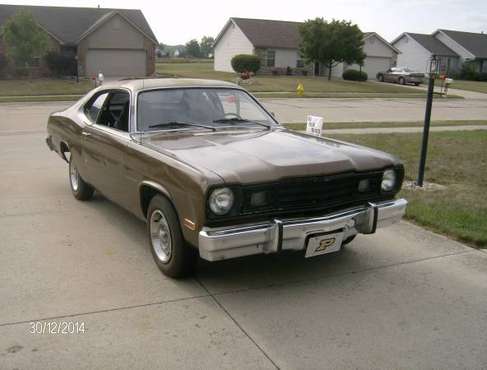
(402, 81)
(80, 189)
(171, 253)
(380, 78)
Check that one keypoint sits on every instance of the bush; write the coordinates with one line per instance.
(354, 75)
(60, 65)
(468, 71)
(3, 65)
(482, 76)
(245, 63)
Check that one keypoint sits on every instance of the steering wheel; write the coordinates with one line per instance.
(232, 115)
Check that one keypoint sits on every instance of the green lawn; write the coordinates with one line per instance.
(268, 83)
(44, 87)
(345, 125)
(455, 159)
(470, 86)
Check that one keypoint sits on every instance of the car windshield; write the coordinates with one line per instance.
(204, 108)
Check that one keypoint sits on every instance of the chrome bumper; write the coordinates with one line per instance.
(291, 234)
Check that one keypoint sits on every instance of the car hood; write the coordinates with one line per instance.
(262, 156)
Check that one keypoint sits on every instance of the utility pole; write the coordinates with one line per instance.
(427, 120)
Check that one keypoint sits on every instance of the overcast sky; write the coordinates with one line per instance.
(177, 21)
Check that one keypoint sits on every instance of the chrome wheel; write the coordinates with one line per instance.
(160, 235)
(73, 177)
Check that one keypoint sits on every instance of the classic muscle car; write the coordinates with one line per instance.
(401, 75)
(213, 173)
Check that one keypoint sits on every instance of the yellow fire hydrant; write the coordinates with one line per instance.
(300, 89)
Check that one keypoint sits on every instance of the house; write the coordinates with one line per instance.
(469, 46)
(117, 42)
(277, 43)
(418, 49)
(450, 48)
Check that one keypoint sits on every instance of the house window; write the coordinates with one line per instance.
(299, 63)
(270, 58)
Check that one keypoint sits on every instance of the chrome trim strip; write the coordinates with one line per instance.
(290, 234)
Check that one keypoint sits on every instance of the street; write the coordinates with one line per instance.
(473, 107)
(404, 298)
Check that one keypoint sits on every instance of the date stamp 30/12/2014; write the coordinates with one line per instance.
(57, 327)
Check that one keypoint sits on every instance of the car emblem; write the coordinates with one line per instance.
(325, 243)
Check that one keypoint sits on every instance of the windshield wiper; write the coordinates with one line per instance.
(180, 123)
(240, 120)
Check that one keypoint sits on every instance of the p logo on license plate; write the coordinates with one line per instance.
(325, 243)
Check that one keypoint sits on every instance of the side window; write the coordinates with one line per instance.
(93, 108)
(115, 113)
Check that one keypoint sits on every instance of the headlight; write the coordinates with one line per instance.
(221, 201)
(388, 180)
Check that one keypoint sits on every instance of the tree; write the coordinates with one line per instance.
(193, 48)
(206, 46)
(24, 39)
(161, 50)
(331, 43)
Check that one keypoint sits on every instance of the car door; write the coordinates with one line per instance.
(388, 75)
(104, 143)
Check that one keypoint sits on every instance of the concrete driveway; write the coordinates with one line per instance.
(404, 298)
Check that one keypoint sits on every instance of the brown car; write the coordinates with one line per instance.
(213, 173)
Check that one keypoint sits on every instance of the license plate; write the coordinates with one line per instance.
(324, 243)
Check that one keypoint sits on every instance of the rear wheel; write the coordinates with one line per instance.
(80, 189)
(402, 81)
(380, 78)
(171, 253)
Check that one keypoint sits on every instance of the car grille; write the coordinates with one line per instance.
(320, 192)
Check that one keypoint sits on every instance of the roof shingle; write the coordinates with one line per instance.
(476, 43)
(264, 33)
(432, 44)
(68, 24)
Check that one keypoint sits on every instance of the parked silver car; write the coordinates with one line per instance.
(401, 75)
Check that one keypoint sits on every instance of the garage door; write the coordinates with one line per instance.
(374, 65)
(116, 63)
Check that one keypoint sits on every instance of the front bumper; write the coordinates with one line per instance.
(291, 234)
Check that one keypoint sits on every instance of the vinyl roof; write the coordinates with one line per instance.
(154, 83)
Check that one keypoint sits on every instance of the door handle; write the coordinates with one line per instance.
(84, 133)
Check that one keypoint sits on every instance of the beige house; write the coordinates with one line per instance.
(277, 43)
(116, 42)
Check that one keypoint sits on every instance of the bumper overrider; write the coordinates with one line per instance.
(292, 234)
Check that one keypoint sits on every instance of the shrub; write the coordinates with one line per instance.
(482, 76)
(354, 75)
(60, 65)
(245, 63)
(3, 65)
(468, 71)
(289, 71)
